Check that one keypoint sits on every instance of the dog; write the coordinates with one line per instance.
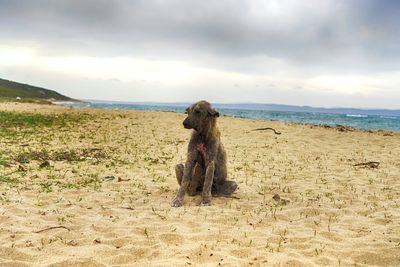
(205, 170)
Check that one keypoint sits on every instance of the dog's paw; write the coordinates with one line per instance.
(177, 203)
(206, 201)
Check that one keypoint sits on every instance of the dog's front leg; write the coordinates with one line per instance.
(208, 181)
(187, 173)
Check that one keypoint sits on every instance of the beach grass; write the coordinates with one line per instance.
(16, 119)
(16, 124)
(9, 119)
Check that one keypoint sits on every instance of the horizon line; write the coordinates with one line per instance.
(239, 103)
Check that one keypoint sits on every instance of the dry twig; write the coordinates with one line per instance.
(370, 164)
(267, 128)
(51, 228)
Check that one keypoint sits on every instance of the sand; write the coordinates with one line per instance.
(328, 213)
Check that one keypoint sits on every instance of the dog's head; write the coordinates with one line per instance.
(198, 115)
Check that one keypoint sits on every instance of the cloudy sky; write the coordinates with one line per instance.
(327, 53)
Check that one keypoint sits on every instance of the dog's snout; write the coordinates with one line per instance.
(186, 124)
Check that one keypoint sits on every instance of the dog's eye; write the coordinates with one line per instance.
(197, 111)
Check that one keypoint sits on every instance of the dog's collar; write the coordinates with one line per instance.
(200, 147)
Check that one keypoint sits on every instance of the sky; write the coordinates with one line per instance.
(330, 53)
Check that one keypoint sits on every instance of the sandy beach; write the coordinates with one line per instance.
(300, 202)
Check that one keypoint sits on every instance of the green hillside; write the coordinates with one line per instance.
(24, 92)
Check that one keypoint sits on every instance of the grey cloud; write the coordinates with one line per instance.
(360, 35)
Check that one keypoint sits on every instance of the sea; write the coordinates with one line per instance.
(370, 119)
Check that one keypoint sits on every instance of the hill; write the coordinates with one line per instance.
(10, 90)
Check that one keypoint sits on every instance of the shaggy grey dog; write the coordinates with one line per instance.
(205, 169)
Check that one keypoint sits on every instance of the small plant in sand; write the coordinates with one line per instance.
(39, 202)
(146, 232)
(46, 186)
(8, 179)
(60, 219)
(4, 162)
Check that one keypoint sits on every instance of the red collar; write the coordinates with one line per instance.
(200, 147)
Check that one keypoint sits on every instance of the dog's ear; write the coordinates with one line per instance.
(212, 112)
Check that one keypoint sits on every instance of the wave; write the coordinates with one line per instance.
(357, 115)
(389, 117)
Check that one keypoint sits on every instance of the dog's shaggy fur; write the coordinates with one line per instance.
(205, 169)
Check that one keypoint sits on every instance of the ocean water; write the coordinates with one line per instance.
(348, 117)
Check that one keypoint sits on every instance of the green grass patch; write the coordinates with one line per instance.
(7, 133)
(14, 119)
(26, 157)
(3, 162)
(8, 180)
(62, 155)
(13, 124)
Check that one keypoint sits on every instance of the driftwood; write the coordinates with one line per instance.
(267, 128)
(127, 208)
(370, 164)
(51, 228)
(162, 217)
(339, 127)
(342, 128)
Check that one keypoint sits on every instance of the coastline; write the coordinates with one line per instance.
(358, 119)
(329, 212)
